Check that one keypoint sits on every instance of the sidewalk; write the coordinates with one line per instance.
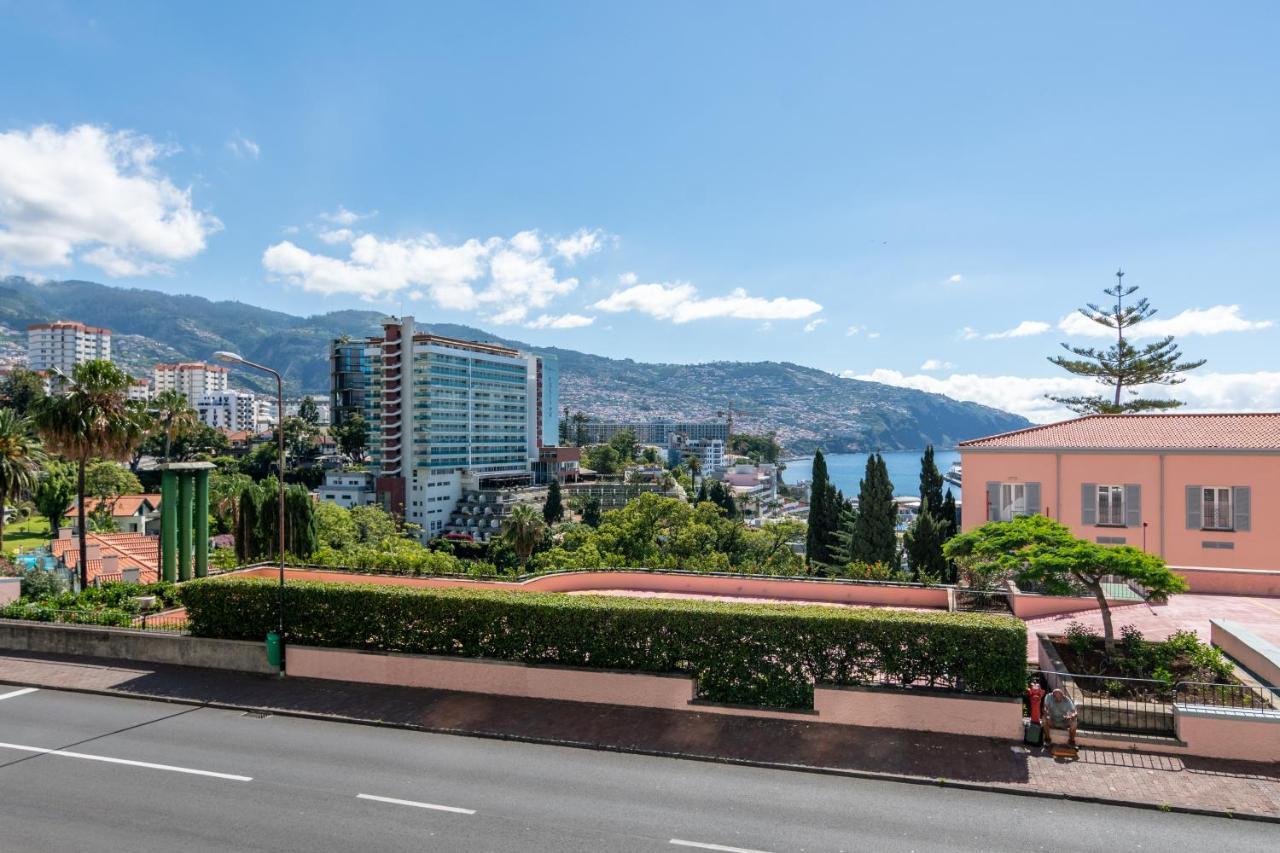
(1190, 784)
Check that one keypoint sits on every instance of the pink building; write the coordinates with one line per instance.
(1199, 490)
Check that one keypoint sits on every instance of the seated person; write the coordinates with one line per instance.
(1059, 713)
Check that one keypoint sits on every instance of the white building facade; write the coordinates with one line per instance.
(64, 344)
(194, 380)
(230, 410)
(348, 489)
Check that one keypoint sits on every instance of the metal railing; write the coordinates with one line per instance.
(982, 600)
(1104, 703)
(1243, 697)
(162, 623)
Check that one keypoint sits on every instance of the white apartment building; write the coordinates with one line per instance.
(264, 413)
(194, 380)
(64, 344)
(140, 390)
(347, 488)
(231, 410)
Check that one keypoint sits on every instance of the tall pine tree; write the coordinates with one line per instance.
(824, 515)
(923, 545)
(553, 509)
(931, 484)
(874, 539)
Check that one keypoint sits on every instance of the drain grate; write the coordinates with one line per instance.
(257, 715)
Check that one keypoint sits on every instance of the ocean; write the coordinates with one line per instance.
(847, 469)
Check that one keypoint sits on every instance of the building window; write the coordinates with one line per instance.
(1013, 500)
(1111, 506)
(1217, 509)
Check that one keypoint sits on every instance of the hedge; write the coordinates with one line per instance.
(767, 655)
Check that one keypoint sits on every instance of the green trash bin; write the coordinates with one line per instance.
(275, 649)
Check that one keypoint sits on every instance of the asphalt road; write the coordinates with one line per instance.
(133, 775)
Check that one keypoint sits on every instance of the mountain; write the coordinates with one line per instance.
(807, 407)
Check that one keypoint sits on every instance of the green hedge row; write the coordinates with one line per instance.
(766, 655)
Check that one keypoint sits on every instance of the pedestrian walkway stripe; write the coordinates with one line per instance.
(15, 694)
(415, 804)
(725, 849)
(125, 761)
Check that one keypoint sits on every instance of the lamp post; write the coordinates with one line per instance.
(235, 358)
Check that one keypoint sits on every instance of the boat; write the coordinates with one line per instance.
(953, 474)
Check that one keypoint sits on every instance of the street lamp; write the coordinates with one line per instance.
(235, 358)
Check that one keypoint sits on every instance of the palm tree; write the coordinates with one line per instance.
(94, 419)
(20, 459)
(173, 415)
(523, 530)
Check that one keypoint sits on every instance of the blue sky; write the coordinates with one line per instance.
(677, 182)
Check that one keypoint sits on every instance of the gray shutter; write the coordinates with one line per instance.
(1033, 499)
(1240, 508)
(1195, 507)
(993, 501)
(1089, 504)
(1132, 505)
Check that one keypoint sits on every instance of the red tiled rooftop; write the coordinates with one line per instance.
(123, 505)
(132, 550)
(1260, 431)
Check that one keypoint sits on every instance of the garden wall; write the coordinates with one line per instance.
(126, 644)
(1209, 581)
(1248, 649)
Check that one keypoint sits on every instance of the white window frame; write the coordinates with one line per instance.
(1013, 500)
(1222, 496)
(1113, 516)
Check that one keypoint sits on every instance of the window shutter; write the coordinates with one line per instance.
(1033, 499)
(1195, 507)
(1132, 505)
(993, 501)
(1240, 498)
(1089, 504)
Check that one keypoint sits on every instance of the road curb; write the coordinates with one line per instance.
(870, 775)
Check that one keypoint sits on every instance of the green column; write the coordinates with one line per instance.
(202, 523)
(168, 525)
(184, 526)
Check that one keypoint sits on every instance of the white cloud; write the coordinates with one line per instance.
(813, 325)
(935, 364)
(873, 335)
(854, 330)
(342, 216)
(242, 146)
(508, 278)
(1193, 321)
(580, 244)
(955, 279)
(1025, 395)
(564, 321)
(679, 302)
(1025, 329)
(96, 196)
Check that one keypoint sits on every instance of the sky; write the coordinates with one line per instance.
(917, 193)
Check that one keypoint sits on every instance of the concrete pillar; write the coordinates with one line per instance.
(169, 525)
(202, 523)
(184, 525)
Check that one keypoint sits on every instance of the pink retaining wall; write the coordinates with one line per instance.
(1250, 651)
(1242, 737)
(784, 589)
(886, 708)
(1032, 606)
(1231, 581)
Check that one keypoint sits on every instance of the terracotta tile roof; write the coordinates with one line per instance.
(124, 505)
(132, 551)
(1243, 431)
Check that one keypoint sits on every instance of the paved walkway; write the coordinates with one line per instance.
(1154, 780)
(1183, 612)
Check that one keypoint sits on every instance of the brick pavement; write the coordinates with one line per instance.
(1243, 788)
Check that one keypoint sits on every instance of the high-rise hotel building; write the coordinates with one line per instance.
(194, 380)
(64, 344)
(443, 415)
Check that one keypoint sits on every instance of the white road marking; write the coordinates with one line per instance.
(23, 692)
(415, 804)
(126, 761)
(701, 846)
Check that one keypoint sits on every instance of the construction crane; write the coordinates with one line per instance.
(729, 412)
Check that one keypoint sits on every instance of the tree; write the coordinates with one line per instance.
(308, 411)
(579, 429)
(246, 528)
(55, 492)
(21, 390)
(923, 544)
(931, 484)
(759, 448)
(1036, 549)
(649, 455)
(301, 534)
(523, 530)
(949, 515)
(352, 436)
(172, 417)
(107, 480)
(563, 437)
(1123, 367)
(589, 509)
(553, 509)
(874, 538)
(604, 460)
(722, 496)
(94, 418)
(624, 442)
(824, 515)
(21, 456)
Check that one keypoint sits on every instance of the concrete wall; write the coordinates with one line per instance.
(126, 644)
(1208, 581)
(1028, 605)
(784, 589)
(1163, 478)
(1249, 650)
(1229, 733)
(10, 590)
(920, 710)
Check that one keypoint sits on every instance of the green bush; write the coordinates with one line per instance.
(767, 655)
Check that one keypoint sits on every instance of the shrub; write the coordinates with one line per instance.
(1080, 637)
(768, 655)
(37, 583)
